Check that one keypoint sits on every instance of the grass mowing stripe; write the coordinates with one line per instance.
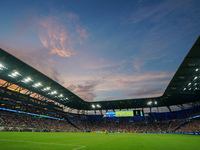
(79, 146)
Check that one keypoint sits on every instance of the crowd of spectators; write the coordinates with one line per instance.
(23, 122)
(140, 124)
(191, 126)
(124, 125)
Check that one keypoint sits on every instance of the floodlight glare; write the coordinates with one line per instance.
(184, 89)
(37, 84)
(195, 78)
(93, 106)
(2, 67)
(197, 69)
(14, 74)
(60, 95)
(46, 89)
(54, 92)
(98, 106)
(195, 88)
(149, 103)
(195, 84)
(189, 84)
(26, 80)
(155, 102)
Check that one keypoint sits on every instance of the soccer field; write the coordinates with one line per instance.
(96, 141)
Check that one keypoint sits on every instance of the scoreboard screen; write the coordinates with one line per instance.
(138, 113)
(124, 113)
(110, 114)
(128, 113)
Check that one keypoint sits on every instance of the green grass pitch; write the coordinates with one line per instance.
(96, 141)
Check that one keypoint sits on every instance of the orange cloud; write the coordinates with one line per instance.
(61, 35)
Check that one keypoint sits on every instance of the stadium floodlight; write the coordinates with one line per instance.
(26, 80)
(184, 89)
(189, 84)
(195, 78)
(195, 88)
(197, 69)
(149, 103)
(37, 85)
(66, 98)
(46, 89)
(2, 67)
(155, 102)
(195, 84)
(98, 106)
(53, 92)
(190, 89)
(60, 95)
(14, 74)
(93, 106)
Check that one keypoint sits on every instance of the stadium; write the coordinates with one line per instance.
(33, 104)
(99, 75)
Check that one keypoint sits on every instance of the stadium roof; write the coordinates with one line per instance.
(183, 88)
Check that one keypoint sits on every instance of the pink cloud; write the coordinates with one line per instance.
(146, 56)
(128, 81)
(61, 35)
(141, 93)
(55, 38)
(145, 93)
(73, 16)
(138, 62)
(133, 86)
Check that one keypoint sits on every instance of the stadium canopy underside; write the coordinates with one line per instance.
(183, 88)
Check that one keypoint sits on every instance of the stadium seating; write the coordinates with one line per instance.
(10, 121)
(22, 122)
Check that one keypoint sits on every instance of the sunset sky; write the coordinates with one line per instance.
(102, 49)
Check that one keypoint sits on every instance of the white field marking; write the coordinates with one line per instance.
(79, 146)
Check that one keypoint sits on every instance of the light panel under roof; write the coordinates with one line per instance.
(37, 85)
(2, 67)
(26, 80)
(14, 74)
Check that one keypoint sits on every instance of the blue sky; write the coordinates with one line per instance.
(102, 50)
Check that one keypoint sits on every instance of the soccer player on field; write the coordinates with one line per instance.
(106, 133)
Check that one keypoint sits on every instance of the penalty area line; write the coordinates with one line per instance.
(79, 146)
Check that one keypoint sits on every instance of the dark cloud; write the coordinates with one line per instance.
(72, 87)
(55, 75)
(85, 90)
